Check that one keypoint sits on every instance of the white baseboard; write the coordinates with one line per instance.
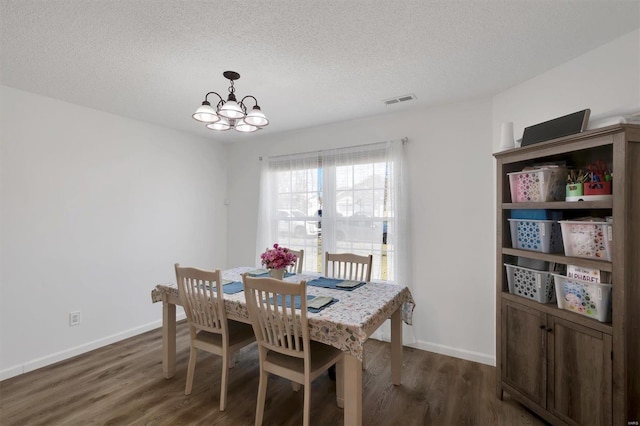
(455, 352)
(447, 350)
(79, 350)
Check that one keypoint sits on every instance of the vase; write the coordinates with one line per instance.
(506, 136)
(277, 273)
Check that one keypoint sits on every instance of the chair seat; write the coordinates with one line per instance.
(239, 335)
(322, 356)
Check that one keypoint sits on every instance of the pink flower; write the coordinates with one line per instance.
(278, 257)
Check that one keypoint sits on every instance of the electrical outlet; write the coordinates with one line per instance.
(74, 318)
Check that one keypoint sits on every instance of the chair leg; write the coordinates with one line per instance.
(223, 385)
(191, 370)
(307, 403)
(339, 372)
(262, 395)
(363, 364)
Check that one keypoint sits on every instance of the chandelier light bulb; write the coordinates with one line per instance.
(206, 114)
(256, 117)
(222, 124)
(231, 110)
(244, 127)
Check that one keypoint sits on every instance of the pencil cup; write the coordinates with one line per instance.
(575, 190)
(597, 188)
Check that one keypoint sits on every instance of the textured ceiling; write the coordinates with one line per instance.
(307, 62)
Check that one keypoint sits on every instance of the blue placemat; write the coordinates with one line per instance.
(296, 303)
(229, 287)
(232, 288)
(259, 273)
(333, 283)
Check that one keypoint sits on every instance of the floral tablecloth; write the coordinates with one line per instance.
(346, 324)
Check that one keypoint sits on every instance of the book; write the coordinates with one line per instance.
(585, 274)
(349, 284)
(257, 272)
(319, 301)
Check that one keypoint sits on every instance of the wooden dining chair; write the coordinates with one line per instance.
(283, 340)
(201, 296)
(348, 266)
(297, 268)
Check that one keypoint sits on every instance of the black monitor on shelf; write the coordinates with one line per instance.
(562, 126)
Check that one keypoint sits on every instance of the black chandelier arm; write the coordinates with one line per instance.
(244, 107)
(249, 96)
(220, 102)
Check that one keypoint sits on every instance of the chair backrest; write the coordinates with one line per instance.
(278, 327)
(201, 296)
(348, 266)
(297, 268)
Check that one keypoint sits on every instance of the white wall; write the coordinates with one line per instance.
(451, 178)
(606, 80)
(95, 210)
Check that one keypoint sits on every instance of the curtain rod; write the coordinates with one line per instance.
(275, 157)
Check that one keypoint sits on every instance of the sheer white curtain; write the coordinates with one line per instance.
(289, 204)
(360, 193)
(360, 209)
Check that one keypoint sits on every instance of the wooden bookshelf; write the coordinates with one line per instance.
(568, 368)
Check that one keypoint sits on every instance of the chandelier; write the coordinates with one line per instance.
(231, 113)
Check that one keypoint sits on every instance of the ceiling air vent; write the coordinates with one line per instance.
(397, 100)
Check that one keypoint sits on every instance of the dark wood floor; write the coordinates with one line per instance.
(122, 384)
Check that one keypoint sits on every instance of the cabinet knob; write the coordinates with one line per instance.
(542, 327)
(549, 330)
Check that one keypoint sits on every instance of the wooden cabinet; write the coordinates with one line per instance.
(579, 373)
(561, 367)
(524, 351)
(568, 368)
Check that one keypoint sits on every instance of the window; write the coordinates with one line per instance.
(337, 201)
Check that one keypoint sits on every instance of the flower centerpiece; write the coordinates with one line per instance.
(276, 259)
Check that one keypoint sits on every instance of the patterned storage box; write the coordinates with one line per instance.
(530, 283)
(585, 298)
(538, 185)
(592, 240)
(536, 235)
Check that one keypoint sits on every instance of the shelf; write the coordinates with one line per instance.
(552, 308)
(558, 205)
(560, 258)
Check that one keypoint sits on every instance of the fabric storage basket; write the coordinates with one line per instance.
(583, 297)
(540, 185)
(530, 283)
(591, 240)
(536, 235)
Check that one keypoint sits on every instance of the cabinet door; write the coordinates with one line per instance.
(579, 373)
(523, 351)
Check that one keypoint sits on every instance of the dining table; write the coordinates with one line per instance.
(347, 323)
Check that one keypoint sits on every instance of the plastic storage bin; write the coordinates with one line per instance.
(585, 298)
(531, 283)
(539, 265)
(591, 240)
(537, 214)
(538, 185)
(536, 235)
